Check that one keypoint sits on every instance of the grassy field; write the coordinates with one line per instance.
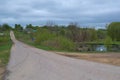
(5, 46)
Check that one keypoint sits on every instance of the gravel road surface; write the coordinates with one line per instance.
(29, 63)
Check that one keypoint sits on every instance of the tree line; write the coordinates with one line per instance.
(73, 31)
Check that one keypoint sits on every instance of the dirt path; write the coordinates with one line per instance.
(29, 63)
(2, 70)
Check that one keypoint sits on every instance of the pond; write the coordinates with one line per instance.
(100, 48)
(97, 47)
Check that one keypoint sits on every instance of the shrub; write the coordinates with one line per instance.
(46, 38)
(60, 42)
(66, 44)
(4, 39)
(108, 42)
(43, 35)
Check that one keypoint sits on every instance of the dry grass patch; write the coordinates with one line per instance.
(109, 58)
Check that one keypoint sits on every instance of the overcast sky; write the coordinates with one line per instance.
(94, 13)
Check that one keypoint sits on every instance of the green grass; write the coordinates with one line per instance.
(5, 47)
(4, 53)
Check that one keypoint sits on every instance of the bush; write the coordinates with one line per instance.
(108, 42)
(4, 38)
(45, 38)
(43, 35)
(61, 43)
(66, 44)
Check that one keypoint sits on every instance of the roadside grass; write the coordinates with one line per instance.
(5, 46)
(4, 53)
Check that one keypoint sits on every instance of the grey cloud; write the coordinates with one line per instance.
(85, 12)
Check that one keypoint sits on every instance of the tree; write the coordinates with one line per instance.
(0, 28)
(18, 27)
(50, 25)
(84, 34)
(74, 32)
(113, 30)
(5, 27)
(29, 26)
(101, 34)
(92, 34)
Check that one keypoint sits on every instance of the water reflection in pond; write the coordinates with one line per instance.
(100, 48)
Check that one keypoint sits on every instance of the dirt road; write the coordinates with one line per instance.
(29, 63)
